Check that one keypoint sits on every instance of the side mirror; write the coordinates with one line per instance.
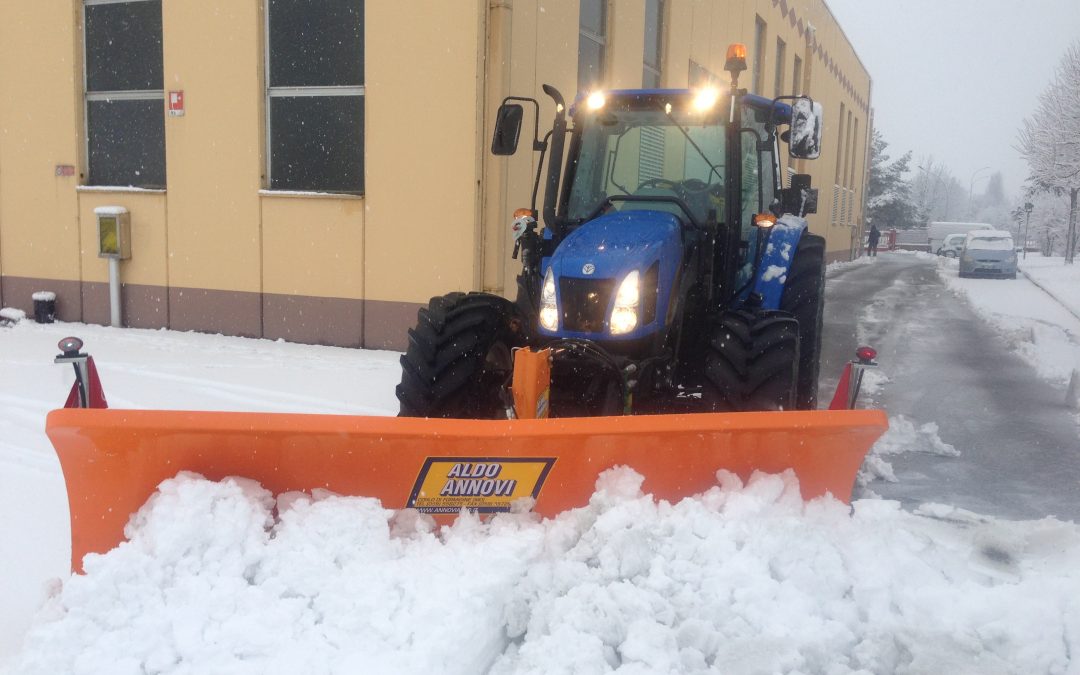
(507, 129)
(804, 141)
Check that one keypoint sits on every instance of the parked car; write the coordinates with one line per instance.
(988, 252)
(937, 231)
(952, 245)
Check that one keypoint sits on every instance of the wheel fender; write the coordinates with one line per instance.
(780, 247)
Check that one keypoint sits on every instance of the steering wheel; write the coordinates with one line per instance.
(694, 185)
(660, 183)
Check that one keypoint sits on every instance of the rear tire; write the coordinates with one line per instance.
(752, 362)
(459, 362)
(804, 299)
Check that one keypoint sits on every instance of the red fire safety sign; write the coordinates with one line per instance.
(176, 103)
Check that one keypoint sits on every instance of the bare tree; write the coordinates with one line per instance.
(1050, 140)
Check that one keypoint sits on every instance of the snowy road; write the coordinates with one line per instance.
(1019, 446)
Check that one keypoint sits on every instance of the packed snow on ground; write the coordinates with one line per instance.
(221, 577)
(1053, 275)
(1034, 321)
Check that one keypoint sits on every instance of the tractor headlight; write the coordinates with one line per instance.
(549, 311)
(624, 317)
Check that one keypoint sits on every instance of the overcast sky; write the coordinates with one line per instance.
(955, 78)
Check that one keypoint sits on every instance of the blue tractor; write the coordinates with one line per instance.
(673, 272)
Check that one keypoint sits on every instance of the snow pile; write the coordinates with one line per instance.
(834, 268)
(902, 436)
(741, 579)
(10, 315)
(919, 255)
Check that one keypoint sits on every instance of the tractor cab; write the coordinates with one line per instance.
(663, 218)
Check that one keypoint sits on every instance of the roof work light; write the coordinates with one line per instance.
(705, 99)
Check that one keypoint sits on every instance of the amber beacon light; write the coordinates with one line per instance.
(736, 58)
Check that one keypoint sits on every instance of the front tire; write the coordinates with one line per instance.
(752, 362)
(804, 299)
(459, 362)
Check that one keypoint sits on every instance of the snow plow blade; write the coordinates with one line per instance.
(113, 460)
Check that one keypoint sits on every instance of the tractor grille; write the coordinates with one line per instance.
(585, 303)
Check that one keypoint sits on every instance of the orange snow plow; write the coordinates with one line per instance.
(113, 460)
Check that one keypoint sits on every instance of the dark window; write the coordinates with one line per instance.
(759, 55)
(315, 95)
(778, 86)
(126, 142)
(654, 42)
(318, 143)
(592, 44)
(125, 112)
(123, 46)
(316, 43)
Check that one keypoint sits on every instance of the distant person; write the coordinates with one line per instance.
(872, 241)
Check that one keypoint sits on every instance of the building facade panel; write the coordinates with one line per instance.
(39, 136)
(218, 250)
(213, 53)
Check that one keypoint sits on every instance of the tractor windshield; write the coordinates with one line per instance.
(649, 152)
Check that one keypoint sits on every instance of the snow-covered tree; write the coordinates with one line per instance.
(938, 195)
(1050, 140)
(889, 201)
(991, 206)
(1049, 222)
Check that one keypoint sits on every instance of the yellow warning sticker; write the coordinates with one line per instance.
(481, 484)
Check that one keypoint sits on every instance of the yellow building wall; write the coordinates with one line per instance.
(534, 27)
(213, 52)
(148, 264)
(424, 79)
(313, 246)
(39, 233)
(626, 44)
(436, 213)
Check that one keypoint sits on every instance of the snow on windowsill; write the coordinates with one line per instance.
(110, 211)
(311, 195)
(118, 188)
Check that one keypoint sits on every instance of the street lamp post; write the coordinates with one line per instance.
(971, 186)
(1028, 206)
(944, 187)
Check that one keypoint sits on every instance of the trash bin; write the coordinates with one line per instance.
(44, 306)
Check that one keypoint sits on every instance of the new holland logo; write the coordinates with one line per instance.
(481, 484)
(588, 269)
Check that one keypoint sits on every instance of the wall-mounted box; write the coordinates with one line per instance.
(114, 232)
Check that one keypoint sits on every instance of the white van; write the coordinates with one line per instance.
(937, 232)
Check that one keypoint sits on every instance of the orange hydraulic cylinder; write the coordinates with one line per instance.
(532, 383)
